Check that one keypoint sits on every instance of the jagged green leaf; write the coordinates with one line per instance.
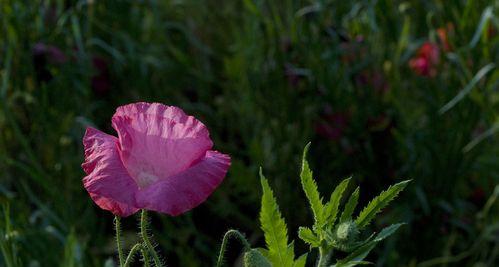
(308, 237)
(301, 261)
(378, 203)
(310, 189)
(274, 228)
(331, 208)
(350, 206)
(357, 257)
(351, 264)
(387, 231)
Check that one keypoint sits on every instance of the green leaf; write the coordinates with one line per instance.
(467, 89)
(331, 208)
(350, 206)
(487, 14)
(378, 203)
(274, 228)
(309, 237)
(351, 264)
(357, 257)
(310, 189)
(387, 231)
(301, 261)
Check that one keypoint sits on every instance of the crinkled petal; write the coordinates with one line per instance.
(157, 109)
(158, 141)
(117, 208)
(107, 180)
(186, 190)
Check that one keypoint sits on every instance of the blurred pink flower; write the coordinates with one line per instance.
(374, 79)
(100, 80)
(353, 51)
(332, 126)
(161, 161)
(52, 54)
(426, 60)
(44, 55)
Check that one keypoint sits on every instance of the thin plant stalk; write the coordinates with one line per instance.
(129, 258)
(145, 256)
(231, 233)
(324, 257)
(145, 239)
(117, 226)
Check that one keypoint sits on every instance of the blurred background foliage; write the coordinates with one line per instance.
(385, 90)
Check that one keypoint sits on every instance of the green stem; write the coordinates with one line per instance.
(145, 238)
(229, 234)
(324, 257)
(129, 258)
(145, 256)
(117, 226)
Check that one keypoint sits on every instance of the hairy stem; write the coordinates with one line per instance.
(231, 233)
(145, 257)
(129, 258)
(145, 239)
(117, 227)
(324, 257)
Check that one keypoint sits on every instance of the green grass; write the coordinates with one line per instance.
(262, 75)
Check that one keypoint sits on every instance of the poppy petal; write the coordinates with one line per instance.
(186, 190)
(158, 141)
(107, 179)
(117, 208)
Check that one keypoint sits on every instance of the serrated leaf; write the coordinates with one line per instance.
(308, 237)
(378, 203)
(301, 261)
(274, 228)
(310, 189)
(357, 257)
(331, 208)
(352, 263)
(265, 252)
(387, 231)
(350, 206)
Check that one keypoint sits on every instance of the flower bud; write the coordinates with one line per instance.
(255, 258)
(345, 235)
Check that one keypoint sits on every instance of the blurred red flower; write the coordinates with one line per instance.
(426, 60)
(374, 79)
(100, 81)
(44, 55)
(443, 36)
(332, 126)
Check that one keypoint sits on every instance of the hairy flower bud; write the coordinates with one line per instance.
(345, 235)
(255, 258)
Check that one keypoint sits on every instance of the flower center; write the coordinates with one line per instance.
(145, 179)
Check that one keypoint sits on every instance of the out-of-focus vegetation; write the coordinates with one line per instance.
(385, 90)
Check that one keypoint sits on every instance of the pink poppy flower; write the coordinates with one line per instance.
(161, 161)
